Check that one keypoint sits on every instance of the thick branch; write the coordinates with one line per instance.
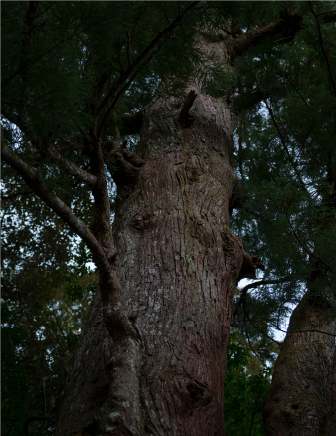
(329, 17)
(123, 165)
(249, 266)
(33, 179)
(71, 168)
(284, 29)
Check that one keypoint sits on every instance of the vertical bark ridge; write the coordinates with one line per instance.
(178, 265)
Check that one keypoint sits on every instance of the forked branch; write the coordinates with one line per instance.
(34, 180)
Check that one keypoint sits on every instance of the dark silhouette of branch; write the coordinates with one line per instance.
(34, 180)
(29, 64)
(146, 51)
(305, 331)
(32, 419)
(305, 248)
(284, 29)
(331, 77)
(243, 292)
(9, 197)
(329, 17)
(124, 88)
(283, 142)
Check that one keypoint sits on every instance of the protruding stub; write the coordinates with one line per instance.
(185, 118)
(249, 266)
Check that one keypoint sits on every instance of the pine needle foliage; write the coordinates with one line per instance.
(58, 65)
(285, 155)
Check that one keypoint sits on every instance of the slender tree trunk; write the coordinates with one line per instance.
(299, 402)
(178, 266)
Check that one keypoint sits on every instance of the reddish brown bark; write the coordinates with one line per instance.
(178, 267)
(300, 397)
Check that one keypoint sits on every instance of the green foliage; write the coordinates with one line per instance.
(40, 325)
(246, 384)
(56, 74)
(285, 155)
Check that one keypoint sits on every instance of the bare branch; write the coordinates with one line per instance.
(285, 29)
(70, 167)
(125, 76)
(243, 292)
(34, 180)
(123, 89)
(304, 331)
(9, 197)
(331, 77)
(283, 142)
(305, 248)
(24, 66)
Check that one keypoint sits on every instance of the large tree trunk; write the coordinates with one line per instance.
(301, 399)
(178, 266)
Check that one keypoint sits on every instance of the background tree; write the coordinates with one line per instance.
(74, 85)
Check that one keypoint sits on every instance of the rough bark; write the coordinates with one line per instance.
(300, 398)
(178, 267)
(330, 421)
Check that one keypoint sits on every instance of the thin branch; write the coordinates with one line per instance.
(71, 146)
(305, 331)
(305, 248)
(257, 328)
(160, 35)
(248, 339)
(9, 197)
(60, 328)
(29, 21)
(253, 415)
(243, 292)
(24, 66)
(123, 89)
(34, 180)
(70, 167)
(128, 47)
(331, 77)
(283, 142)
(121, 92)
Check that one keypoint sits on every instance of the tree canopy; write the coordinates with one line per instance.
(76, 70)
